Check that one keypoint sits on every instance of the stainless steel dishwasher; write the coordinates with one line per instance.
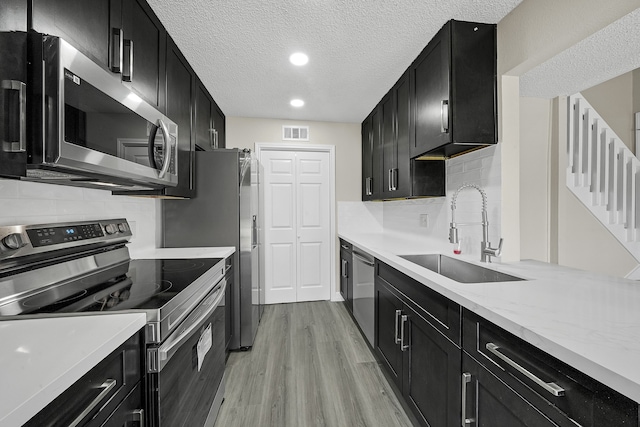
(363, 292)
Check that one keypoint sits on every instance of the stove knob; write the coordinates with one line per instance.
(110, 229)
(122, 227)
(13, 241)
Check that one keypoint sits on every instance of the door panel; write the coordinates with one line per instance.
(296, 222)
(280, 226)
(313, 226)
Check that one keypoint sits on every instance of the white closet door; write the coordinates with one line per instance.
(297, 226)
(280, 226)
(313, 226)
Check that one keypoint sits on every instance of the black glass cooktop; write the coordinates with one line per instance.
(136, 284)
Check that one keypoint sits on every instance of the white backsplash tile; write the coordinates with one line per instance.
(34, 203)
(481, 167)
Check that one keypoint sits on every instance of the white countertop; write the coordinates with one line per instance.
(590, 321)
(41, 358)
(168, 253)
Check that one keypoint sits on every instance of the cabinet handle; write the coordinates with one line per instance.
(444, 116)
(368, 186)
(127, 61)
(466, 379)
(389, 179)
(106, 389)
(215, 139)
(345, 247)
(398, 313)
(551, 387)
(138, 417)
(116, 51)
(403, 320)
(394, 179)
(343, 268)
(9, 142)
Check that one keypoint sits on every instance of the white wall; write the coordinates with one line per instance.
(243, 132)
(532, 33)
(535, 156)
(613, 100)
(35, 203)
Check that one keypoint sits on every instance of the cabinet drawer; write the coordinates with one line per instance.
(344, 245)
(99, 392)
(441, 312)
(555, 388)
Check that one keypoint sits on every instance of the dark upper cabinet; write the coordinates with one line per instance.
(455, 95)
(123, 36)
(209, 121)
(87, 25)
(144, 47)
(367, 158)
(388, 172)
(180, 95)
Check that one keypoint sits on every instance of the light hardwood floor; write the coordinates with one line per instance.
(309, 366)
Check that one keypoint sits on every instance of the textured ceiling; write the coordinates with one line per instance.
(357, 49)
(608, 53)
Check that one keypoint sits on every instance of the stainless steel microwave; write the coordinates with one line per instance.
(84, 127)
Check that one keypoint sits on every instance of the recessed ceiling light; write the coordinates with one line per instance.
(297, 102)
(299, 59)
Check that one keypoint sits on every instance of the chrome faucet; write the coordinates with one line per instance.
(486, 251)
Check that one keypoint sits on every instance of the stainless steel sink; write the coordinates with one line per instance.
(457, 270)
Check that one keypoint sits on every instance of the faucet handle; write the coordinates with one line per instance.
(498, 250)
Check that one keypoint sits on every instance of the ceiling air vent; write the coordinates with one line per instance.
(295, 133)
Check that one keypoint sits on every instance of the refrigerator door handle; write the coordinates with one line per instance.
(254, 231)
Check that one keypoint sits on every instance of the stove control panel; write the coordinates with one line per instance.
(22, 240)
(55, 235)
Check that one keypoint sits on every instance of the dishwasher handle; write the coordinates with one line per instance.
(361, 258)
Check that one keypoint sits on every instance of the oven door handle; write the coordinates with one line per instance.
(166, 351)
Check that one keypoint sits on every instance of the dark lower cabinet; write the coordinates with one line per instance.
(346, 273)
(489, 402)
(422, 362)
(110, 394)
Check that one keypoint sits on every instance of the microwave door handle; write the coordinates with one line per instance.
(9, 143)
(167, 149)
(151, 152)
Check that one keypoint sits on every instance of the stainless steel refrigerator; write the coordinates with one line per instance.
(224, 212)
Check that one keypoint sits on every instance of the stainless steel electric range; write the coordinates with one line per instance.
(84, 268)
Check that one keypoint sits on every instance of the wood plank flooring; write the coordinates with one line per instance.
(309, 366)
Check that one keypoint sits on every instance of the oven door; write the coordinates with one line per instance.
(94, 126)
(186, 371)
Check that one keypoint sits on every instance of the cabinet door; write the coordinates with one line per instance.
(86, 25)
(488, 402)
(430, 80)
(180, 87)
(432, 369)
(387, 330)
(388, 145)
(367, 159)
(202, 118)
(218, 126)
(402, 107)
(376, 154)
(144, 42)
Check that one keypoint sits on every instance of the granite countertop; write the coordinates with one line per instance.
(590, 321)
(40, 358)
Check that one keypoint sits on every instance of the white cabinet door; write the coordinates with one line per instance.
(296, 220)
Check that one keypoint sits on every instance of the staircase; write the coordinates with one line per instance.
(604, 174)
